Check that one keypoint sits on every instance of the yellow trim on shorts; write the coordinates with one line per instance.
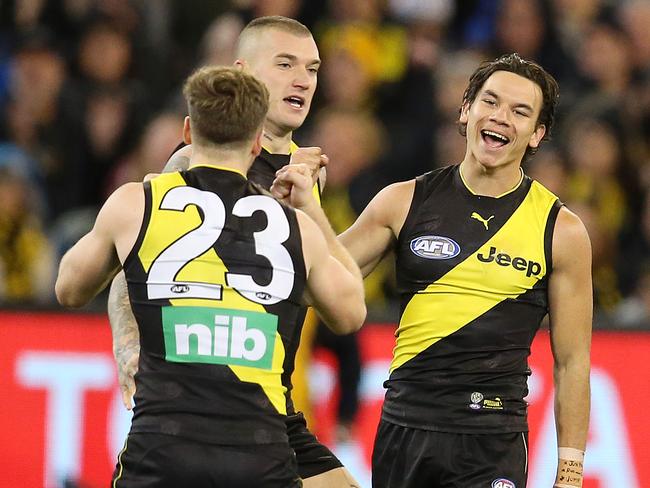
(119, 462)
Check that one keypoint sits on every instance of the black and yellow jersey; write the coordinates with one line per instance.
(472, 274)
(215, 279)
(266, 164)
(263, 172)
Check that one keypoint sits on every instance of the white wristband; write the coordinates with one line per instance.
(569, 468)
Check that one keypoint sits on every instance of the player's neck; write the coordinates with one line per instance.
(276, 144)
(492, 182)
(237, 160)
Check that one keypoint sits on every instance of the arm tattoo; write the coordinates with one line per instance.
(126, 338)
(177, 162)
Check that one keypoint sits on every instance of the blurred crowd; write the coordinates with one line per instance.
(90, 99)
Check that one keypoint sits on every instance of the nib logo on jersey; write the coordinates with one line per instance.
(219, 336)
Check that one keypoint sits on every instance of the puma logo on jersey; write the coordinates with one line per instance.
(532, 268)
(481, 219)
(219, 336)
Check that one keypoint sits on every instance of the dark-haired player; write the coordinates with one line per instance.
(483, 253)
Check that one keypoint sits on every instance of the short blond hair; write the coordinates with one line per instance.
(225, 104)
(278, 22)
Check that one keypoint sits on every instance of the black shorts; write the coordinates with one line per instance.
(165, 461)
(313, 457)
(413, 458)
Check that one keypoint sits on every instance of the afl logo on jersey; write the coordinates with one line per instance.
(180, 288)
(435, 247)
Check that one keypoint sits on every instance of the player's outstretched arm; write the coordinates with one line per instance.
(92, 262)
(126, 337)
(333, 290)
(293, 184)
(570, 297)
(375, 232)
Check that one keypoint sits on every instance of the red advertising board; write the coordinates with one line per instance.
(61, 416)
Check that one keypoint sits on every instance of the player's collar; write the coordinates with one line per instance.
(214, 166)
(292, 148)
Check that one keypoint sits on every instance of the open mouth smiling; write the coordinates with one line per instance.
(494, 139)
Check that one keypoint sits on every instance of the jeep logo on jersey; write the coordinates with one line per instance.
(435, 247)
(219, 336)
(532, 268)
(503, 483)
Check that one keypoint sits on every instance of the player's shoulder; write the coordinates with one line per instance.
(124, 194)
(124, 204)
(570, 225)
(570, 238)
(396, 193)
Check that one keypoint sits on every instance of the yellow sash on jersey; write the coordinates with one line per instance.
(167, 226)
(472, 287)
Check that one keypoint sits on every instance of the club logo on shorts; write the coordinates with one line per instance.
(503, 483)
(435, 247)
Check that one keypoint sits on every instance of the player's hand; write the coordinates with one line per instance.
(293, 184)
(313, 158)
(127, 366)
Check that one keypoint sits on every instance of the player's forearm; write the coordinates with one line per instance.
(76, 286)
(572, 403)
(123, 324)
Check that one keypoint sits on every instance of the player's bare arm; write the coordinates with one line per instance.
(334, 291)
(376, 230)
(570, 298)
(93, 261)
(294, 184)
(126, 337)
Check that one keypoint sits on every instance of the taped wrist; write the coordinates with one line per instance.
(569, 467)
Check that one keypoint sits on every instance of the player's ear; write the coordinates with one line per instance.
(464, 110)
(257, 145)
(537, 136)
(241, 64)
(187, 134)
